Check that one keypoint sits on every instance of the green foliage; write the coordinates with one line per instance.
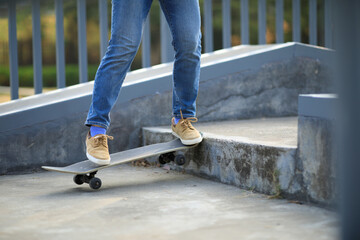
(49, 75)
(4, 75)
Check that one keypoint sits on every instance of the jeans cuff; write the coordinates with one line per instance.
(89, 123)
(184, 116)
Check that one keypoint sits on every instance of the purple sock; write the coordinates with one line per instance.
(176, 120)
(97, 130)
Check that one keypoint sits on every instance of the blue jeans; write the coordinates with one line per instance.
(128, 18)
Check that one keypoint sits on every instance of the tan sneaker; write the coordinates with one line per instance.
(185, 131)
(97, 149)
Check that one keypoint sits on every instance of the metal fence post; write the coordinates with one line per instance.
(313, 22)
(13, 53)
(60, 49)
(208, 26)
(226, 17)
(262, 21)
(103, 25)
(296, 21)
(329, 24)
(244, 22)
(167, 50)
(146, 44)
(279, 21)
(81, 21)
(37, 53)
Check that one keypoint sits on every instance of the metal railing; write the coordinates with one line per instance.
(166, 48)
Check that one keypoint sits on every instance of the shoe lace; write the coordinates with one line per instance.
(186, 123)
(102, 140)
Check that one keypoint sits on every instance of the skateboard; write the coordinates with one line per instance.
(85, 171)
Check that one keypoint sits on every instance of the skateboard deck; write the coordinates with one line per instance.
(86, 170)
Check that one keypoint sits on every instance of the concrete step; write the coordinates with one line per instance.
(151, 203)
(257, 154)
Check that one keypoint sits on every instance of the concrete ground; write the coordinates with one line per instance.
(150, 203)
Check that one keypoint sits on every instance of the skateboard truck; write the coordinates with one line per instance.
(94, 182)
(179, 159)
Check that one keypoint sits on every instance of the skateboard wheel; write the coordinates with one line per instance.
(180, 159)
(95, 183)
(78, 179)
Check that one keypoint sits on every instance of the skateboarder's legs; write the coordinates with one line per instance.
(183, 18)
(128, 18)
(127, 22)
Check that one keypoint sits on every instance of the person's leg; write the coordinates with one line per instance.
(128, 18)
(127, 21)
(183, 17)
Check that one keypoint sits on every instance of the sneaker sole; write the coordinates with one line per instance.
(98, 161)
(188, 142)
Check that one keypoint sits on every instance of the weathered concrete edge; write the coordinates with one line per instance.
(317, 149)
(163, 130)
(317, 159)
(285, 172)
(55, 110)
(240, 163)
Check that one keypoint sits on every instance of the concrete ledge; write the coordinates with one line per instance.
(317, 148)
(244, 160)
(317, 151)
(317, 105)
(239, 83)
(72, 100)
(265, 155)
(157, 79)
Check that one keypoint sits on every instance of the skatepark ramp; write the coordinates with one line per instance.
(242, 82)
